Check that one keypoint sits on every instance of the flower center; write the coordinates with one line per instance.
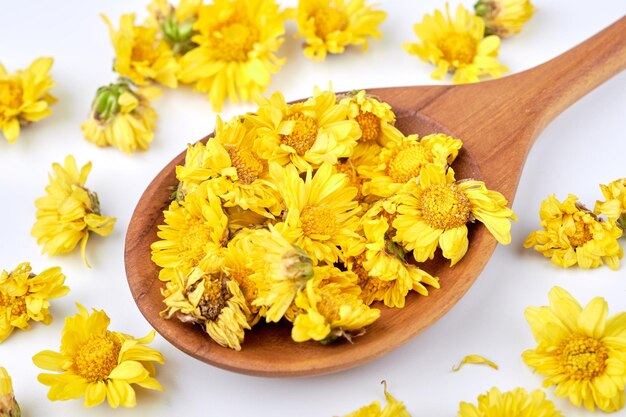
(232, 42)
(144, 49)
(318, 222)
(97, 357)
(329, 304)
(10, 94)
(408, 161)
(246, 285)
(457, 48)
(582, 234)
(328, 20)
(303, 134)
(370, 126)
(583, 357)
(15, 305)
(444, 206)
(249, 166)
(194, 240)
(214, 297)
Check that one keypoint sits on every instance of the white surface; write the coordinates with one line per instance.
(583, 147)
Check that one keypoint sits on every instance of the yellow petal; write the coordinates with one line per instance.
(474, 359)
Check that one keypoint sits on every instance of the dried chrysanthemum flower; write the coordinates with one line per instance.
(457, 46)
(140, 54)
(614, 208)
(328, 26)
(69, 212)
(8, 405)
(97, 363)
(236, 53)
(121, 117)
(175, 23)
(24, 297)
(504, 18)
(579, 350)
(515, 403)
(24, 97)
(393, 408)
(574, 235)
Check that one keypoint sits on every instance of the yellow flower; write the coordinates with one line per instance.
(211, 300)
(97, 363)
(457, 46)
(238, 40)
(504, 18)
(175, 23)
(24, 296)
(321, 213)
(331, 307)
(231, 168)
(24, 97)
(579, 350)
(375, 118)
(515, 403)
(195, 229)
(403, 159)
(436, 213)
(328, 26)
(615, 205)
(305, 134)
(140, 55)
(393, 408)
(573, 235)
(8, 405)
(69, 212)
(121, 117)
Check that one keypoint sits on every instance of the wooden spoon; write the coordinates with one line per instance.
(498, 122)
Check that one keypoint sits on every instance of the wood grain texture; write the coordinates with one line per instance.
(498, 122)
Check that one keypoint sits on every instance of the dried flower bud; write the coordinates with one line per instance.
(8, 405)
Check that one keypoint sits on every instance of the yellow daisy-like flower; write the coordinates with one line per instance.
(211, 300)
(331, 307)
(515, 403)
(504, 18)
(175, 23)
(321, 213)
(581, 351)
(121, 117)
(375, 118)
(436, 213)
(24, 97)
(457, 46)
(393, 408)
(231, 168)
(8, 405)
(328, 26)
(97, 363)
(615, 205)
(237, 42)
(403, 160)
(195, 230)
(140, 55)
(24, 297)
(305, 134)
(69, 212)
(573, 235)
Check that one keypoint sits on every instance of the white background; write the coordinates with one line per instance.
(583, 147)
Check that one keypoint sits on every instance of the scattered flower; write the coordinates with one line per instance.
(614, 208)
(24, 97)
(393, 408)
(69, 212)
(457, 46)
(515, 403)
(175, 23)
(328, 26)
(97, 363)
(24, 297)
(504, 18)
(8, 405)
(580, 351)
(474, 359)
(574, 235)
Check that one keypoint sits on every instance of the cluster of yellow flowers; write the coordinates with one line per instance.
(574, 235)
(312, 211)
(467, 45)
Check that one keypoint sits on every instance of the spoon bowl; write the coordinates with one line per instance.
(497, 121)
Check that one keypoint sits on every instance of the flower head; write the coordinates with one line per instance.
(140, 54)
(393, 408)
(581, 351)
(69, 212)
(176, 23)
(515, 403)
(573, 235)
(504, 18)
(24, 297)
(614, 208)
(8, 405)
(121, 117)
(457, 45)
(24, 97)
(328, 26)
(97, 363)
(237, 42)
